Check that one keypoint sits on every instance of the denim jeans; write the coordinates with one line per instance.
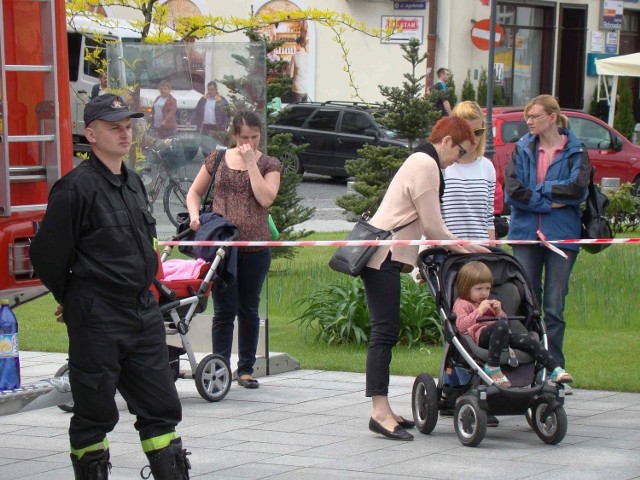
(557, 270)
(382, 288)
(241, 299)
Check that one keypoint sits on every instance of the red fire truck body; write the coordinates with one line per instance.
(35, 130)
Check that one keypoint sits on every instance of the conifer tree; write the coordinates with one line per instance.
(623, 120)
(411, 114)
(468, 92)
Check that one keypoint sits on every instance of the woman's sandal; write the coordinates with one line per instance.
(561, 376)
(497, 376)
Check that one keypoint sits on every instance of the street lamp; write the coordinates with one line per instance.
(490, 146)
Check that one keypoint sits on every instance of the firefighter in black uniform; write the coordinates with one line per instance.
(96, 252)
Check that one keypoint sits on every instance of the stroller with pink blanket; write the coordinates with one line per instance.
(182, 289)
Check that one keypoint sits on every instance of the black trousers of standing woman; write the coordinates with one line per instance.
(382, 288)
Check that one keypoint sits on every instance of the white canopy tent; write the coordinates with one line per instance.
(621, 66)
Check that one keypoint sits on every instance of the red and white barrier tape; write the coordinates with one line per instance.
(374, 243)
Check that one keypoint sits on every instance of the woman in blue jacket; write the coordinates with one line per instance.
(545, 182)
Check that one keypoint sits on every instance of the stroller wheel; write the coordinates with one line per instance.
(470, 421)
(213, 378)
(63, 371)
(550, 428)
(424, 403)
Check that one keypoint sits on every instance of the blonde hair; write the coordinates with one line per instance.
(470, 275)
(550, 105)
(469, 110)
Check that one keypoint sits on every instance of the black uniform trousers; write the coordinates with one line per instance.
(118, 345)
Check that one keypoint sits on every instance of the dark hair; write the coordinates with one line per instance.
(441, 71)
(455, 127)
(212, 83)
(245, 117)
(470, 275)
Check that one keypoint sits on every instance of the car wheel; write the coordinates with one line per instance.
(291, 163)
(424, 403)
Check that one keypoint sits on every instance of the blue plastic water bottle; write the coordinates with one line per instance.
(9, 359)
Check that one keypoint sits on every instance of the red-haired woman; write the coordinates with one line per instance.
(411, 206)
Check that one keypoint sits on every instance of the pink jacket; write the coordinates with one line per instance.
(467, 318)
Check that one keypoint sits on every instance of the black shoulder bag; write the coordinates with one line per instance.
(351, 260)
(595, 223)
(183, 218)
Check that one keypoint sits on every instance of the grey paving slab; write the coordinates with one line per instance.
(312, 425)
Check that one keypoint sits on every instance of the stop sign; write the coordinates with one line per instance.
(480, 34)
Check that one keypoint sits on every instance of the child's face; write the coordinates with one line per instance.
(480, 292)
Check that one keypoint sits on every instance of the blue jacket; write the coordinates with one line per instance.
(566, 182)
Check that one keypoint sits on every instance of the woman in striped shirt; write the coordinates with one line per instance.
(467, 203)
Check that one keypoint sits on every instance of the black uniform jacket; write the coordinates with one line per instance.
(97, 234)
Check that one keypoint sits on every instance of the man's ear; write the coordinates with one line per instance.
(90, 134)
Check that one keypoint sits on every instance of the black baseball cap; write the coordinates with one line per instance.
(108, 107)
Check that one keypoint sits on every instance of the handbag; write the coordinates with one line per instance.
(595, 223)
(183, 218)
(351, 260)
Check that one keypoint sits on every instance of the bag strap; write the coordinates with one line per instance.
(219, 156)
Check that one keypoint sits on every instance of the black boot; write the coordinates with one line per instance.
(169, 463)
(92, 466)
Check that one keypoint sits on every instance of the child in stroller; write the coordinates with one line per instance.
(473, 309)
(464, 390)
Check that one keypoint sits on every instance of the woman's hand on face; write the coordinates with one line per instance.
(247, 153)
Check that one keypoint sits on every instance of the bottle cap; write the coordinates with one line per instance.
(4, 301)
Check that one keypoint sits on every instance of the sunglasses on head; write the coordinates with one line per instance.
(478, 132)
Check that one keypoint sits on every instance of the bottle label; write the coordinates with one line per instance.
(9, 345)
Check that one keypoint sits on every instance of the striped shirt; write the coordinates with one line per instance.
(467, 204)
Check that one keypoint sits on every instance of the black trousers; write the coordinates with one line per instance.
(497, 336)
(118, 346)
(382, 288)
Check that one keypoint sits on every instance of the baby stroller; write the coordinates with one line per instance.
(464, 390)
(179, 301)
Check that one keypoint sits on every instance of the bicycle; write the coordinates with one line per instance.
(168, 161)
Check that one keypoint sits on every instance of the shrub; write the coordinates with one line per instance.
(624, 209)
(339, 315)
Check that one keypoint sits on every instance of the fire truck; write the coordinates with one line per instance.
(35, 151)
(35, 130)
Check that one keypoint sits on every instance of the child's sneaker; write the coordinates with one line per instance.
(497, 376)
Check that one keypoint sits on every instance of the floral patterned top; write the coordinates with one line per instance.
(234, 200)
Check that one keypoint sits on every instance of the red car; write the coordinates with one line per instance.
(609, 151)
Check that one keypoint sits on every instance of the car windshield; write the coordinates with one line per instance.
(378, 116)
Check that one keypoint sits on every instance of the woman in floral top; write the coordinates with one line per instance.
(245, 186)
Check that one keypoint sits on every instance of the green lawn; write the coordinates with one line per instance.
(601, 344)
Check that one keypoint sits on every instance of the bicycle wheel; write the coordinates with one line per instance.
(175, 199)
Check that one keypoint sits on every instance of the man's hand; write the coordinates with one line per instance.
(58, 314)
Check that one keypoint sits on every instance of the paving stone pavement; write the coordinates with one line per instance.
(312, 425)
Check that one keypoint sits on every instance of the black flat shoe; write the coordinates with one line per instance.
(492, 421)
(406, 424)
(248, 382)
(398, 433)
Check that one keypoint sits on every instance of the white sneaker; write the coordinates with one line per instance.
(567, 389)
